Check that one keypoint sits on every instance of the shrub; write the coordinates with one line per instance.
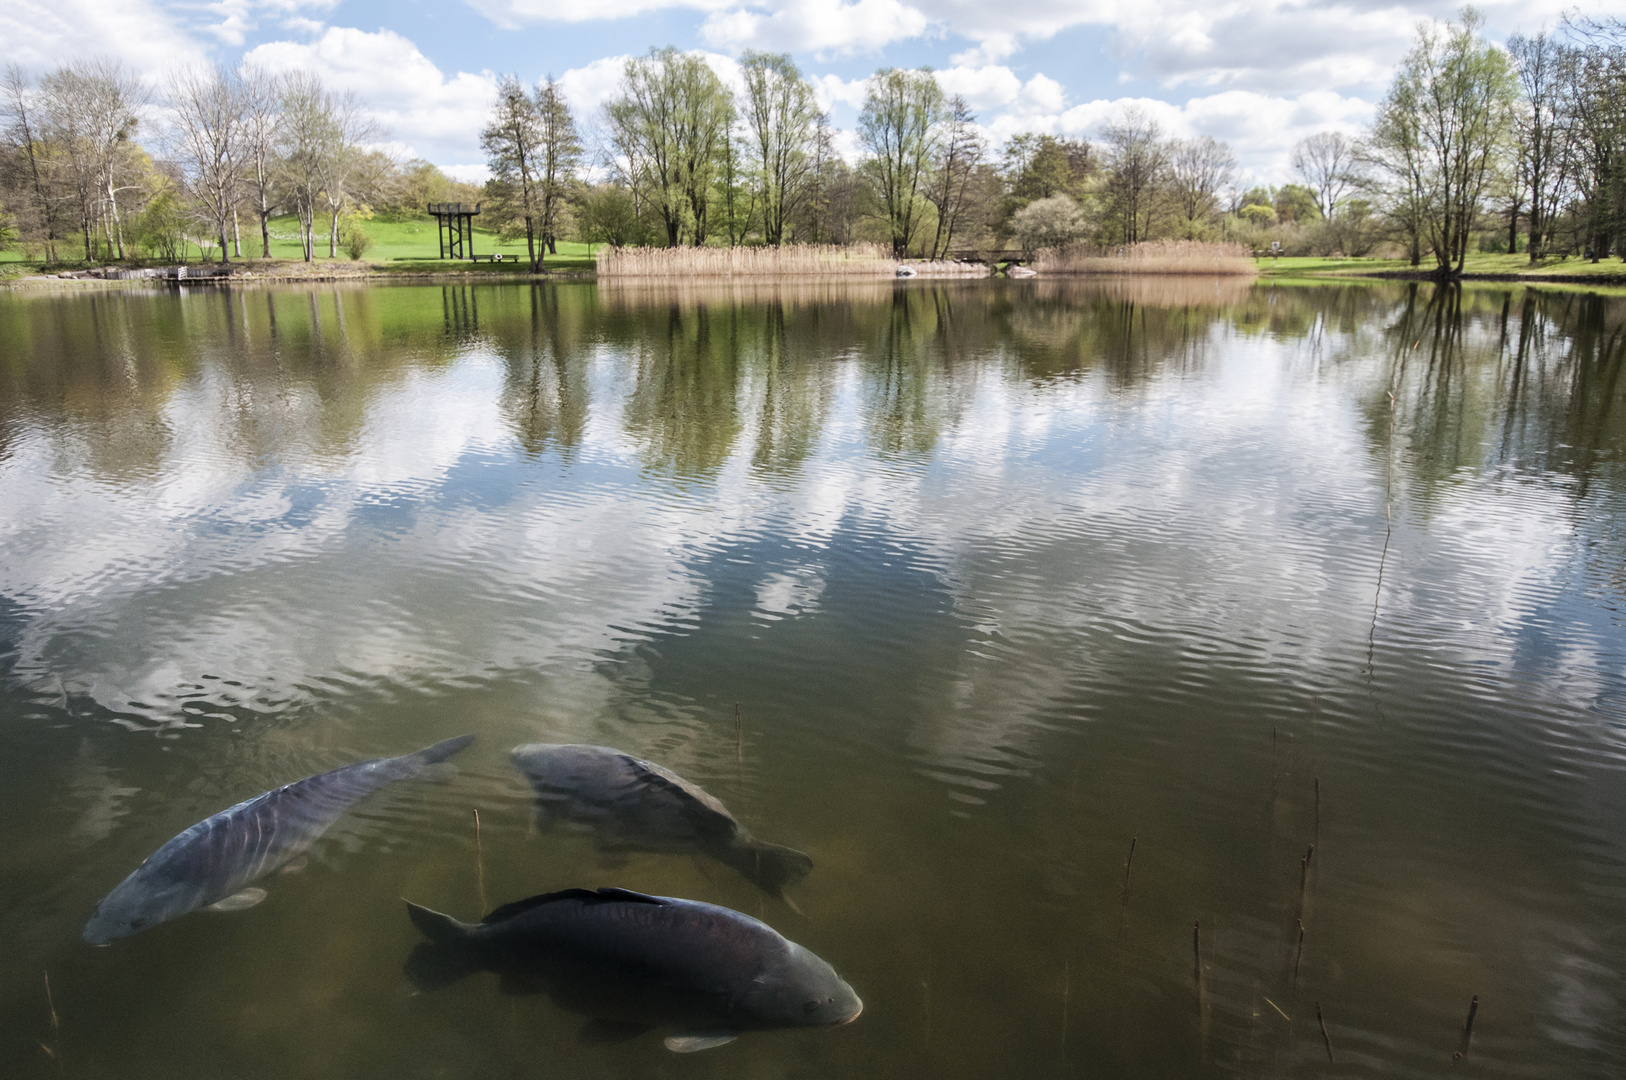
(1048, 223)
(355, 242)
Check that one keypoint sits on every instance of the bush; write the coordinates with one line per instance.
(355, 242)
(1048, 223)
(8, 228)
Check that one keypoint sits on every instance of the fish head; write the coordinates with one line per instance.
(141, 900)
(540, 761)
(802, 990)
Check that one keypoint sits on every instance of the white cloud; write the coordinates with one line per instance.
(515, 13)
(589, 87)
(42, 34)
(832, 90)
(990, 50)
(819, 26)
(402, 88)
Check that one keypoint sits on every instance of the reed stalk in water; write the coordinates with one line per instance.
(1298, 955)
(1468, 1028)
(1325, 1038)
(56, 1025)
(739, 735)
(480, 864)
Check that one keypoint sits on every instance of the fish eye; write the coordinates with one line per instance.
(809, 1006)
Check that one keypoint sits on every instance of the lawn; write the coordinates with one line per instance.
(1300, 266)
(398, 246)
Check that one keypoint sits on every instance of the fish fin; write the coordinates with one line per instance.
(429, 755)
(438, 928)
(295, 865)
(611, 1031)
(792, 905)
(515, 985)
(586, 896)
(770, 866)
(689, 1044)
(241, 901)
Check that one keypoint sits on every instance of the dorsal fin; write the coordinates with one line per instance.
(586, 896)
(708, 811)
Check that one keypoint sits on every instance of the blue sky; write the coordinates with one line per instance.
(1259, 74)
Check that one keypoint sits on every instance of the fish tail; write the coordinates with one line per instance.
(429, 755)
(771, 866)
(446, 957)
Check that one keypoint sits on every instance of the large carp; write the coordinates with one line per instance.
(636, 805)
(215, 861)
(632, 962)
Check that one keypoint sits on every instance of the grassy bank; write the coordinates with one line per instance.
(398, 247)
(1607, 271)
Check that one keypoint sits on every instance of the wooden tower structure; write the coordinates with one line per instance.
(454, 228)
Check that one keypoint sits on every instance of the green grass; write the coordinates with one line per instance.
(1300, 266)
(398, 246)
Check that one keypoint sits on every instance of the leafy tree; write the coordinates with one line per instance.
(606, 214)
(561, 156)
(1295, 202)
(668, 127)
(1048, 223)
(782, 124)
(898, 128)
(1542, 139)
(1440, 131)
(30, 159)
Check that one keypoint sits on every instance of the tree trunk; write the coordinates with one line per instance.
(236, 236)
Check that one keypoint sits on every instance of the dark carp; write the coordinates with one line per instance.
(636, 805)
(213, 863)
(632, 963)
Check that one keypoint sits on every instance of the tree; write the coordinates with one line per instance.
(1295, 202)
(1047, 166)
(1326, 161)
(207, 112)
(1441, 128)
(261, 130)
(1595, 108)
(512, 141)
(32, 157)
(307, 134)
(1541, 136)
(92, 109)
(1199, 169)
(668, 126)
(606, 215)
(782, 123)
(1136, 161)
(898, 129)
(954, 173)
(1048, 223)
(561, 156)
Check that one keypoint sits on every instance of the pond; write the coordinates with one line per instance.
(966, 590)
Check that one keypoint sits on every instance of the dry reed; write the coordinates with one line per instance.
(795, 260)
(1152, 257)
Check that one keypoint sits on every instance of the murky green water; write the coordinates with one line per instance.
(1003, 578)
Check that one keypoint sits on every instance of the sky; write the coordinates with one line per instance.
(1259, 74)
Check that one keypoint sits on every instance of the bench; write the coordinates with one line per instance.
(497, 257)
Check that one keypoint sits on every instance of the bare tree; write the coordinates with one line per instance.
(1136, 163)
(1199, 169)
(782, 120)
(93, 109)
(1595, 108)
(1326, 161)
(306, 135)
(951, 182)
(1543, 141)
(261, 129)
(899, 129)
(345, 160)
(207, 107)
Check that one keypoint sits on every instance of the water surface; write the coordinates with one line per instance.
(962, 589)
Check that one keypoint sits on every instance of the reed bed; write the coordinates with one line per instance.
(1152, 257)
(796, 260)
